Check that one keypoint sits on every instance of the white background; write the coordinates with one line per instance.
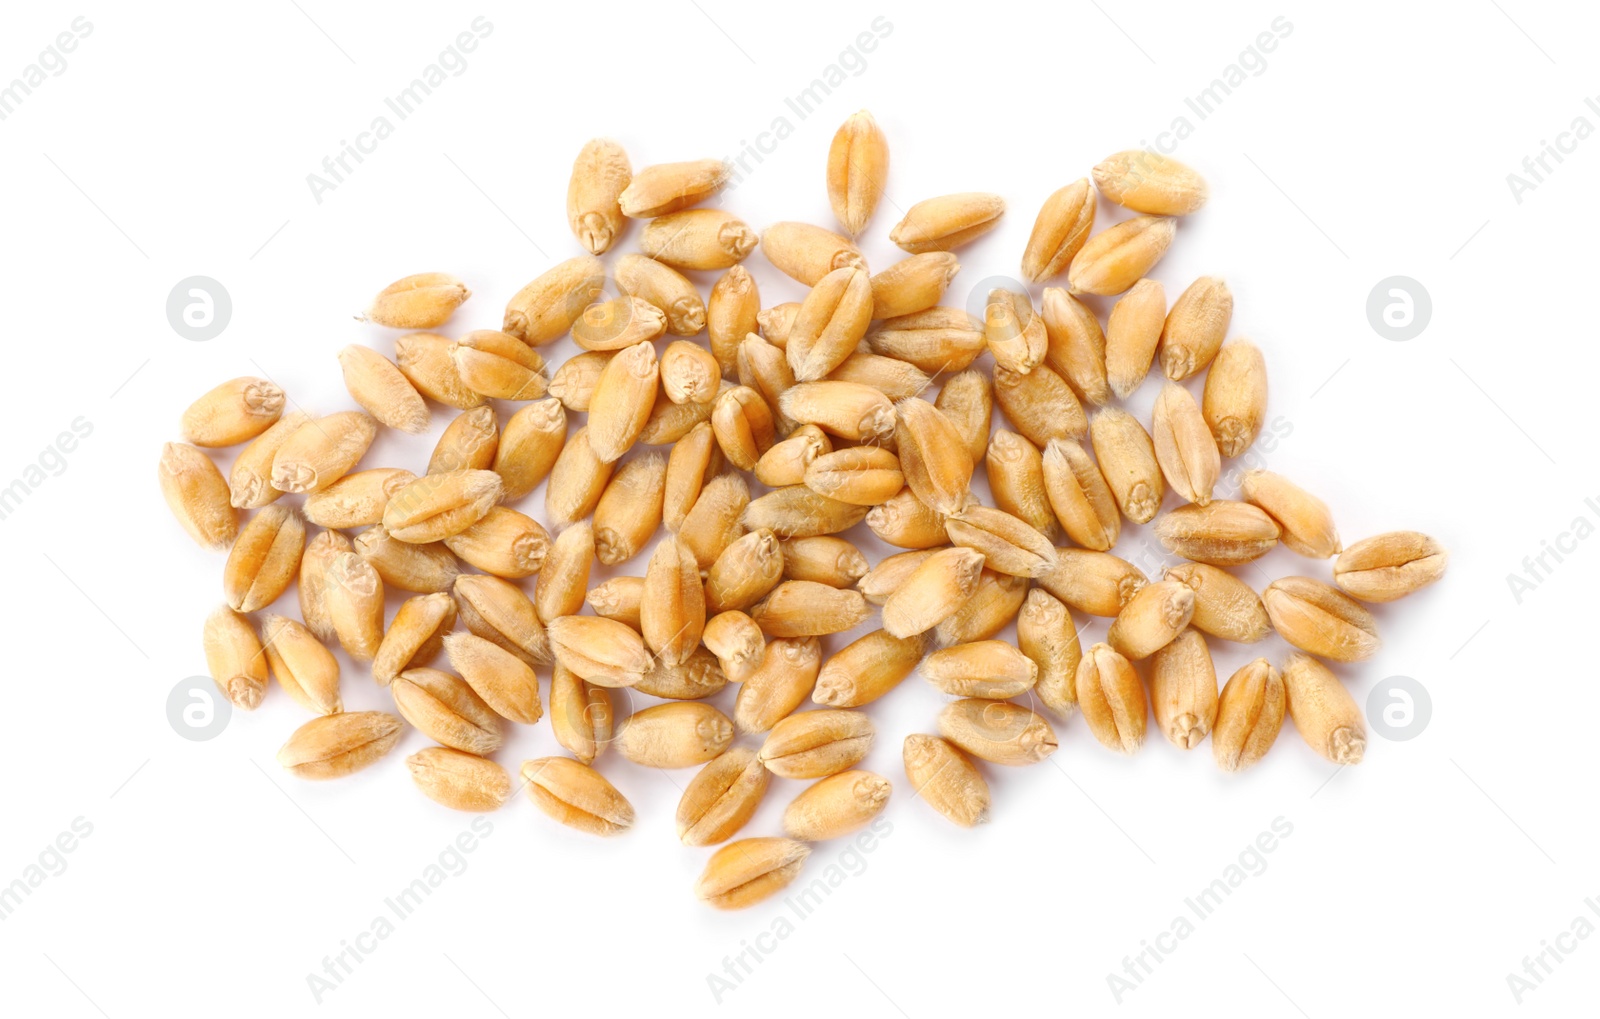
(1375, 142)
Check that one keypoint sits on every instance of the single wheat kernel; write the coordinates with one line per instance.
(807, 253)
(500, 613)
(667, 187)
(1039, 404)
(815, 744)
(470, 442)
(664, 287)
(737, 642)
(999, 732)
(1060, 231)
(689, 373)
(197, 495)
(1235, 398)
(378, 385)
(459, 781)
(576, 482)
(798, 512)
(1009, 545)
(505, 682)
(356, 500)
(990, 669)
(599, 176)
(612, 325)
(1098, 583)
(670, 422)
(858, 170)
(721, 798)
(1305, 523)
(1224, 605)
(849, 410)
(313, 586)
(744, 572)
(1389, 566)
(1195, 328)
(422, 301)
(1014, 333)
(678, 735)
(744, 427)
(618, 598)
(425, 361)
(322, 451)
(1184, 447)
(1118, 257)
(689, 465)
(580, 714)
(890, 574)
(505, 543)
(673, 613)
(354, 599)
(576, 795)
(905, 521)
(498, 364)
(332, 746)
(775, 322)
(424, 569)
(913, 284)
(1048, 636)
(1128, 462)
(415, 637)
(824, 559)
(1324, 713)
(234, 658)
(1076, 346)
(804, 608)
(440, 505)
(716, 520)
(1017, 481)
(1078, 495)
(935, 590)
(234, 412)
(744, 873)
(603, 651)
(765, 368)
(1146, 181)
(622, 401)
(305, 669)
(1112, 699)
(1183, 690)
(1133, 332)
(546, 308)
(991, 608)
(836, 806)
(564, 575)
(1223, 533)
(629, 511)
(933, 456)
(1316, 618)
(946, 780)
(698, 239)
(859, 475)
(1249, 715)
(732, 313)
(699, 676)
(529, 445)
(866, 669)
(947, 222)
(830, 323)
(967, 399)
(937, 340)
(779, 685)
(264, 559)
(894, 378)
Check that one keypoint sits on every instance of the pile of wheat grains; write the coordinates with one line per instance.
(826, 403)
